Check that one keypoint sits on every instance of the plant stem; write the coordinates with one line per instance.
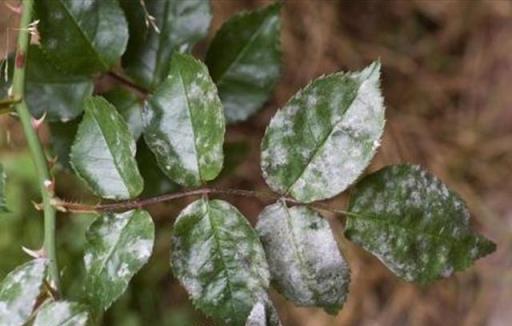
(143, 92)
(140, 203)
(34, 145)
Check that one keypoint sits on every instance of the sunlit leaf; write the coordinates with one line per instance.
(305, 263)
(219, 259)
(180, 24)
(118, 245)
(414, 224)
(19, 291)
(103, 152)
(323, 139)
(244, 59)
(82, 36)
(62, 313)
(184, 124)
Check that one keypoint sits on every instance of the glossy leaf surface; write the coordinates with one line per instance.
(219, 259)
(181, 23)
(263, 313)
(103, 153)
(19, 291)
(325, 136)
(3, 178)
(82, 36)
(414, 224)
(130, 107)
(184, 124)
(305, 263)
(244, 59)
(62, 313)
(118, 245)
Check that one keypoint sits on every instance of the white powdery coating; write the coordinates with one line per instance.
(19, 291)
(303, 256)
(258, 316)
(62, 313)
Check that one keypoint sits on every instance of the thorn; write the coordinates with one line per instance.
(38, 206)
(14, 8)
(40, 253)
(36, 123)
(52, 161)
(58, 205)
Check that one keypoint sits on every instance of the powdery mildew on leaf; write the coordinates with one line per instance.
(414, 224)
(218, 258)
(305, 263)
(129, 105)
(118, 245)
(82, 36)
(263, 314)
(103, 152)
(184, 124)
(181, 24)
(3, 204)
(245, 60)
(323, 139)
(19, 291)
(62, 313)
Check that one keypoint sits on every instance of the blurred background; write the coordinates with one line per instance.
(447, 80)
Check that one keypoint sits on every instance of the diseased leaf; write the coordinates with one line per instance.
(219, 259)
(305, 263)
(414, 224)
(82, 36)
(118, 246)
(3, 204)
(48, 90)
(19, 291)
(130, 107)
(62, 313)
(323, 139)
(181, 23)
(103, 153)
(184, 124)
(244, 59)
(263, 313)
(155, 181)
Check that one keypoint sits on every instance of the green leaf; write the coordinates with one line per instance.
(62, 313)
(181, 23)
(263, 313)
(62, 135)
(19, 291)
(155, 181)
(244, 59)
(130, 107)
(184, 124)
(59, 94)
(414, 224)
(103, 153)
(118, 245)
(3, 204)
(219, 259)
(82, 36)
(305, 263)
(323, 139)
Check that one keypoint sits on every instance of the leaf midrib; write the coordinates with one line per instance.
(85, 37)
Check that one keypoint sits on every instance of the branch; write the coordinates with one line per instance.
(35, 147)
(140, 203)
(125, 81)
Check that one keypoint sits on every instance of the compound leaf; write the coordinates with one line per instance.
(62, 313)
(244, 59)
(219, 259)
(180, 23)
(184, 123)
(118, 245)
(325, 136)
(130, 107)
(305, 263)
(82, 36)
(103, 153)
(3, 204)
(414, 224)
(19, 291)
